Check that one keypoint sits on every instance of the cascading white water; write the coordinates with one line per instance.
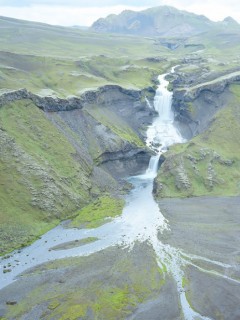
(162, 133)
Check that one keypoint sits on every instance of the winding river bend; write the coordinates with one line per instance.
(140, 221)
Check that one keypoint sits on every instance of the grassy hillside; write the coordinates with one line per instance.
(42, 181)
(63, 77)
(44, 40)
(51, 60)
(65, 61)
(210, 163)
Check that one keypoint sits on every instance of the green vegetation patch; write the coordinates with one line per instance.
(63, 77)
(74, 244)
(117, 125)
(94, 214)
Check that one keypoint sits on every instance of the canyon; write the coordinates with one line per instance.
(119, 188)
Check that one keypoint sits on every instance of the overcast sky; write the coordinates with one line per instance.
(85, 12)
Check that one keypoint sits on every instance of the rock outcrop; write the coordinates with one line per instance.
(196, 106)
(44, 103)
(109, 94)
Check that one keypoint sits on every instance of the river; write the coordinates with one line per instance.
(140, 221)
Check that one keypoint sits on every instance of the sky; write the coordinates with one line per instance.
(85, 12)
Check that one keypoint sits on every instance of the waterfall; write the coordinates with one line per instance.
(162, 133)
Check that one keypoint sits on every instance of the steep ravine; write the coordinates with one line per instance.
(57, 155)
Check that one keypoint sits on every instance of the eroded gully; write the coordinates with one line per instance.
(140, 221)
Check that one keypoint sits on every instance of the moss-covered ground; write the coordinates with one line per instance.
(74, 244)
(44, 179)
(110, 286)
(41, 181)
(66, 76)
(94, 214)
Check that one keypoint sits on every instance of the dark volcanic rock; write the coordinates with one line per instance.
(125, 163)
(195, 107)
(14, 95)
(45, 103)
(105, 95)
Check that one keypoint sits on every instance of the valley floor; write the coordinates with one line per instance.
(118, 283)
(207, 229)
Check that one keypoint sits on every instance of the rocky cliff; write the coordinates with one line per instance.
(196, 106)
(208, 114)
(108, 94)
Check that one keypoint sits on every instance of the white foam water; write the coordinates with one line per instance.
(163, 133)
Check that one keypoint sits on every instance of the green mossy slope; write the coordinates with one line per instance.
(210, 163)
(94, 214)
(42, 180)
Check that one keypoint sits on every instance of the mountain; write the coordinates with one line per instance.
(162, 21)
(229, 21)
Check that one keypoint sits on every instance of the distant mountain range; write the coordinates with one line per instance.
(162, 21)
